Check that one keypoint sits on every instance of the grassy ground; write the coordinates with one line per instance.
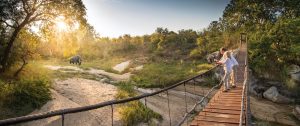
(165, 74)
(104, 64)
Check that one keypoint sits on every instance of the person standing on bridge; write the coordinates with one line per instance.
(234, 70)
(227, 65)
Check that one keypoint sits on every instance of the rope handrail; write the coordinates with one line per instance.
(245, 91)
(62, 112)
(243, 97)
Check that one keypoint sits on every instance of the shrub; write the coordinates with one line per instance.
(32, 92)
(20, 96)
(133, 112)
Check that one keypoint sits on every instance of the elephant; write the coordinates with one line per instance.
(75, 60)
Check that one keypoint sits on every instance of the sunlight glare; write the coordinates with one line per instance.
(60, 23)
(61, 26)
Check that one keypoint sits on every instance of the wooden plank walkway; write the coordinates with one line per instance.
(225, 107)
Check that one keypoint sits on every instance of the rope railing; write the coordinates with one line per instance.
(244, 115)
(64, 112)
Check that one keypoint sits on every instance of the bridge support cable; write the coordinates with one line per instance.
(169, 108)
(112, 114)
(147, 116)
(186, 107)
(62, 119)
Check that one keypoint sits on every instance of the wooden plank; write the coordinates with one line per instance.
(224, 107)
(226, 104)
(194, 123)
(236, 112)
(223, 115)
(207, 123)
(218, 119)
(227, 100)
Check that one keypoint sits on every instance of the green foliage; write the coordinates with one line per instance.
(125, 90)
(20, 96)
(24, 96)
(134, 112)
(273, 51)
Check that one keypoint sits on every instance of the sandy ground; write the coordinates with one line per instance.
(267, 110)
(76, 92)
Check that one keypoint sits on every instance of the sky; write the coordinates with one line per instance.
(113, 18)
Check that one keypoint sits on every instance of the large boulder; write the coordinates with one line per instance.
(273, 95)
(296, 112)
(122, 66)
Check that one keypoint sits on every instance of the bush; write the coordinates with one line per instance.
(125, 90)
(133, 112)
(20, 96)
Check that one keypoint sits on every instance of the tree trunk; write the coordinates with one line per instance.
(19, 70)
(8, 49)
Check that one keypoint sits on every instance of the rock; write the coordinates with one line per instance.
(104, 80)
(296, 112)
(274, 83)
(112, 82)
(122, 66)
(294, 72)
(253, 85)
(139, 67)
(273, 95)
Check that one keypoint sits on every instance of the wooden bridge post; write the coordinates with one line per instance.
(243, 38)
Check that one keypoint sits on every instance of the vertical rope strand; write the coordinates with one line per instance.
(169, 108)
(62, 119)
(112, 114)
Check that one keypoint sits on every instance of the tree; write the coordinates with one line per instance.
(25, 48)
(18, 14)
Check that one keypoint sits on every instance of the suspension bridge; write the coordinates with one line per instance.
(223, 109)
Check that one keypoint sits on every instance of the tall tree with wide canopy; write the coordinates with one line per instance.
(18, 14)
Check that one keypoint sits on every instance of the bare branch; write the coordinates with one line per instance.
(24, 6)
(34, 18)
(7, 24)
(15, 20)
